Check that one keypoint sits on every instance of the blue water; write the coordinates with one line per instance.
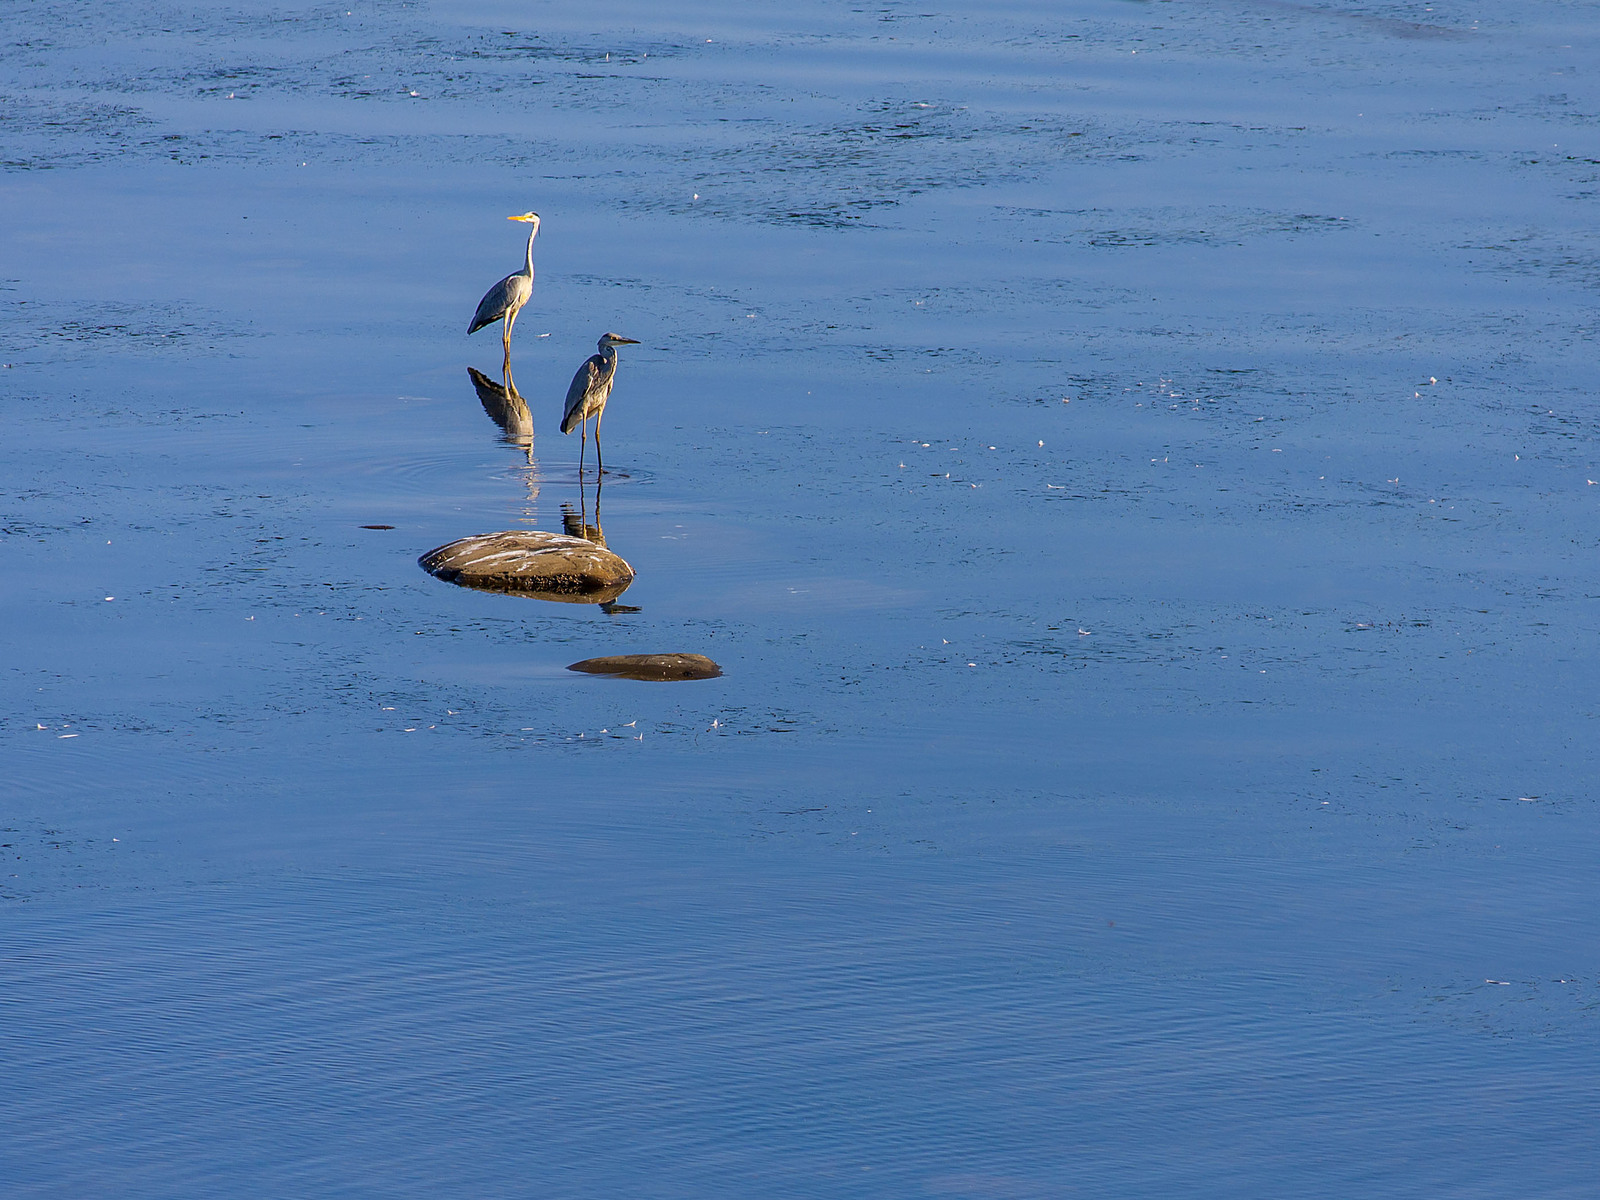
(1134, 464)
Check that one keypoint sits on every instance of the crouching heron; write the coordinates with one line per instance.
(591, 388)
(506, 298)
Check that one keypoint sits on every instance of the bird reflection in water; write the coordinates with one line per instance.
(507, 409)
(576, 524)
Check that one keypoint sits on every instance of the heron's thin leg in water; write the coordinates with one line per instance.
(591, 388)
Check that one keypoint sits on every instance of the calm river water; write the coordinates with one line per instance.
(1135, 463)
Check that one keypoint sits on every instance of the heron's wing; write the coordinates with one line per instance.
(583, 386)
(510, 292)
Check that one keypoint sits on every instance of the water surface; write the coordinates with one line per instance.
(1133, 463)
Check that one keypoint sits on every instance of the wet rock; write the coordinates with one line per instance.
(662, 667)
(545, 566)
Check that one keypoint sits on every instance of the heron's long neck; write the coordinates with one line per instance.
(528, 269)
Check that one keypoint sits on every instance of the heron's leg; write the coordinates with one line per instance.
(511, 319)
(583, 441)
(601, 463)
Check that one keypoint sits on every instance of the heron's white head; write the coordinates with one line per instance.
(531, 218)
(616, 339)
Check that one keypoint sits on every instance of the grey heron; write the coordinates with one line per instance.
(506, 298)
(591, 388)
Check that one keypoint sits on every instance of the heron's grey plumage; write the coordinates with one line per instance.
(505, 299)
(591, 388)
(510, 294)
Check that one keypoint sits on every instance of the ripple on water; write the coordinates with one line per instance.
(797, 1041)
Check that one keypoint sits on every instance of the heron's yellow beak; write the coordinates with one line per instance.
(524, 217)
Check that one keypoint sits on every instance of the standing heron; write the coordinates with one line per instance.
(506, 298)
(591, 388)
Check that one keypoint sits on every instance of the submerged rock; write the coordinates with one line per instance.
(545, 566)
(662, 667)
